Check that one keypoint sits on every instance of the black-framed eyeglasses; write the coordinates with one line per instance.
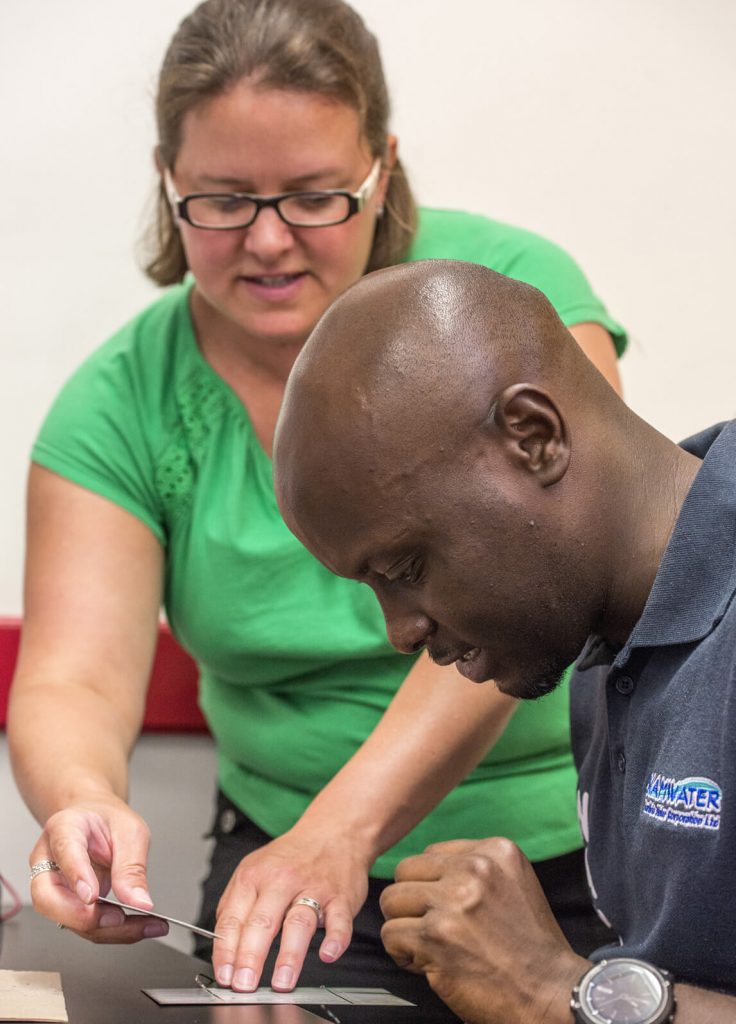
(228, 211)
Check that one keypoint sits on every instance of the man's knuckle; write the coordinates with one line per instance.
(507, 853)
(440, 928)
(478, 866)
(470, 892)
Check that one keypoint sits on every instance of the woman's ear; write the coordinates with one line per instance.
(388, 163)
(533, 431)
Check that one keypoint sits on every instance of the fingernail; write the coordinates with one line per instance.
(111, 919)
(225, 975)
(245, 979)
(142, 896)
(84, 891)
(284, 978)
(331, 950)
(155, 930)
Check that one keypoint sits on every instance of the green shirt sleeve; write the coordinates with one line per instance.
(521, 254)
(96, 433)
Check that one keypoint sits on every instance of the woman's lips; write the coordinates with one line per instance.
(274, 287)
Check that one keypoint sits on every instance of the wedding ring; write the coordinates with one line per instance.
(41, 866)
(315, 905)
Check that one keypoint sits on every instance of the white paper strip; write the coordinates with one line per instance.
(303, 996)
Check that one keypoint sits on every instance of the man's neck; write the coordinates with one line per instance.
(648, 517)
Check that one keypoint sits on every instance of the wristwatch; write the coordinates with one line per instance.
(624, 991)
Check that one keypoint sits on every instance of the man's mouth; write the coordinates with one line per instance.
(475, 665)
(445, 658)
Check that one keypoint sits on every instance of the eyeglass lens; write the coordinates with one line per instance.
(303, 209)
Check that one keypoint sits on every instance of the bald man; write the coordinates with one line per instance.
(444, 440)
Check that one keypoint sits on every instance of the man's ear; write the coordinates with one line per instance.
(532, 431)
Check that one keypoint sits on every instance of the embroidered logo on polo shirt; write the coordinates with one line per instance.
(685, 803)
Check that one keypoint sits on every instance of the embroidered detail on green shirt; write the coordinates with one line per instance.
(201, 404)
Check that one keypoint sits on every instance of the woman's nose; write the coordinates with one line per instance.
(268, 236)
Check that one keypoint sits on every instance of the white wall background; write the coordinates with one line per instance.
(607, 126)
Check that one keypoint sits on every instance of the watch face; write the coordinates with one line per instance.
(624, 992)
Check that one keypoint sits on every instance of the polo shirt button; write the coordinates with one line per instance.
(227, 820)
(625, 685)
(621, 761)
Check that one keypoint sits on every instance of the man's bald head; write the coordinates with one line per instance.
(407, 356)
(431, 310)
(424, 447)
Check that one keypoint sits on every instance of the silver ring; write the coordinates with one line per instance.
(61, 926)
(315, 905)
(41, 866)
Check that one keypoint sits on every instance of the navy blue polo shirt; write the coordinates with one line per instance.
(654, 738)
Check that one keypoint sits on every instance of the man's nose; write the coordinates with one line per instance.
(408, 629)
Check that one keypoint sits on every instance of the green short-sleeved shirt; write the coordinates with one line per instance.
(295, 666)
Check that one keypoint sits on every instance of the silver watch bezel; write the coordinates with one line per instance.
(584, 1014)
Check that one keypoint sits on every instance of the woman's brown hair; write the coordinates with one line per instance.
(319, 46)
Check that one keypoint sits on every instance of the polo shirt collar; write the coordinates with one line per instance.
(696, 578)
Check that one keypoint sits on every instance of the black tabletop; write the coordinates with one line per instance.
(102, 984)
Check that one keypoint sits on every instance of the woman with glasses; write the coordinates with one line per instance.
(280, 185)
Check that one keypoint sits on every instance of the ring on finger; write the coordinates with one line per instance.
(42, 865)
(315, 905)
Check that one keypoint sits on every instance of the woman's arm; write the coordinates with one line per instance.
(598, 346)
(92, 594)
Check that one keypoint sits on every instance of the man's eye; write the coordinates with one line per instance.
(412, 573)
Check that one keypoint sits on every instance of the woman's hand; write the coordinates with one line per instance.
(473, 918)
(259, 898)
(385, 789)
(98, 845)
